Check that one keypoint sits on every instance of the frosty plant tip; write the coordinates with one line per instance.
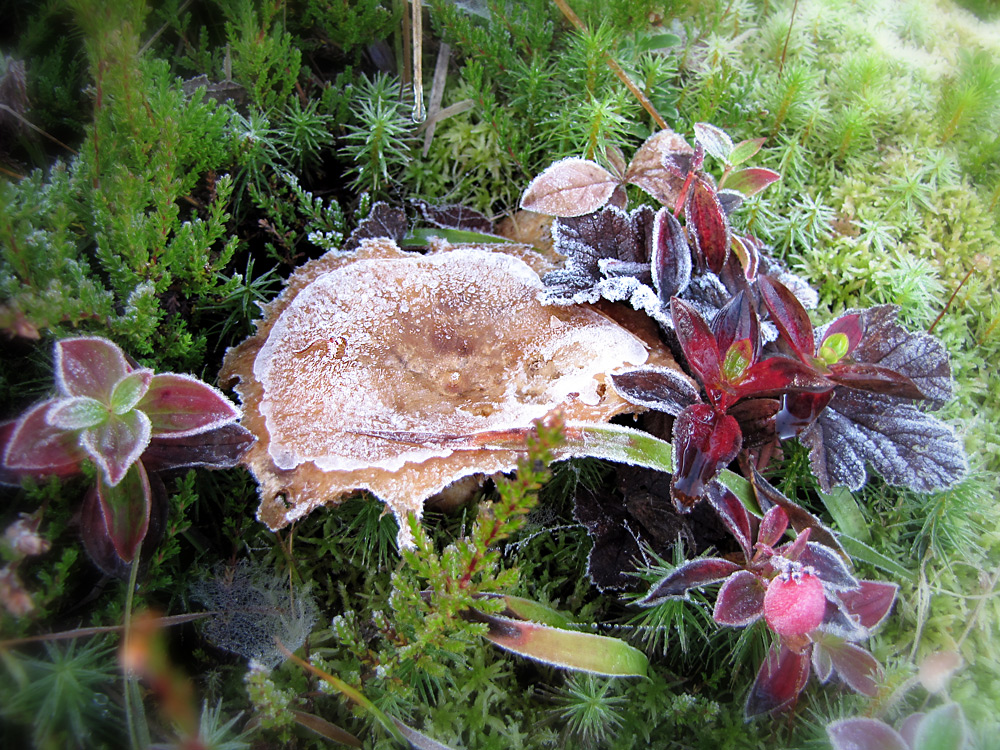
(128, 421)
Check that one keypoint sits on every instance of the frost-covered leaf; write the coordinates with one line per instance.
(126, 509)
(839, 623)
(822, 664)
(864, 734)
(35, 447)
(76, 413)
(705, 442)
(661, 388)
(714, 140)
(671, 256)
(740, 601)
(779, 681)
(944, 728)
(116, 444)
(661, 165)
(773, 526)
(800, 519)
(180, 405)
(707, 224)
(855, 666)
(698, 342)
(383, 221)
(570, 187)
(752, 180)
(733, 515)
(690, 575)
(129, 390)
(829, 566)
(788, 313)
(89, 366)
(905, 445)
(221, 448)
(871, 601)
(454, 216)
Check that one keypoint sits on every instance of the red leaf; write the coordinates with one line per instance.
(875, 379)
(780, 375)
(671, 256)
(704, 443)
(570, 187)
(696, 339)
(661, 165)
(740, 601)
(871, 601)
(864, 734)
(789, 315)
(737, 321)
(126, 508)
(36, 448)
(733, 515)
(751, 180)
(858, 668)
(781, 678)
(773, 526)
(691, 575)
(89, 367)
(181, 405)
(661, 388)
(117, 443)
(707, 224)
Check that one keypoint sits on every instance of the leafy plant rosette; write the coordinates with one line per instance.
(128, 422)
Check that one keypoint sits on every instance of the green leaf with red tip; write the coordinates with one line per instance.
(789, 316)
(834, 348)
(116, 444)
(35, 447)
(569, 649)
(780, 680)
(125, 507)
(77, 413)
(740, 601)
(707, 224)
(864, 734)
(89, 367)
(181, 405)
(690, 575)
(129, 390)
(751, 180)
(745, 150)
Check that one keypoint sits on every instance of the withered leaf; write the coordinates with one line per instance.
(661, 165)
(454, 216)
(383, 221)
(907, 446)
(570, 187)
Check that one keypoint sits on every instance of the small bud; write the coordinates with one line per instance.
(13, 596)
(794, 603)
(23, 538)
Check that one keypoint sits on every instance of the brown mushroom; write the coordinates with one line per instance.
(372, 369)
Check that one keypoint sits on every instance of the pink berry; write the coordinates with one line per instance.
(794, 605)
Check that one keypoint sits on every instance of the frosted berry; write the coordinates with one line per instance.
(794, 604)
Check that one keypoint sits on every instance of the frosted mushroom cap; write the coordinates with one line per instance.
(370, 370)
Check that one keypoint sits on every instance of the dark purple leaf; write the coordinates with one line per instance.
(905, 445)
(855, 666)
(875, 379)
(798, 411)
(126, 507)
(383, 221)
(704, 442)
(864, 734)
(115, 445)
(696, 339)
(36, 448)
(829, 566)
(661, 165)
(454, 216)
(779, 682)
(740, 601)
(773, 526)
(89, 366)
(756, 420)
(661, 388)
(733, 515)
(221, 448)
(737, 321)
(670, 256)
(570, 187)
(789, 316)
(871, 602)
(837, 622)
(691, 575)
(707, 224)
(181, 405)
(730, 200)
(751, 180)
(800, 519)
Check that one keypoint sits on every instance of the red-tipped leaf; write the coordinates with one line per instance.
(181, 405)
(89, 366)
(751, 180)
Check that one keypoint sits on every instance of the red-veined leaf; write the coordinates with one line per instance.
(181, 405)
(707, 224)
(570, 187)
(789, 315)
(871, 601)
(740, 601)
(126, 507)
(780, 679)
(35, 447)
(89, 366)
(751, 180)
(116, 444)
(690, 575)
(864, 734)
